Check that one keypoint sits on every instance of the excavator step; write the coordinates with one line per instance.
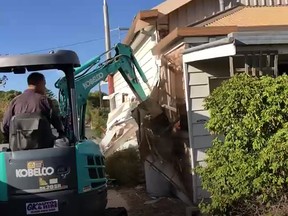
(121, 211)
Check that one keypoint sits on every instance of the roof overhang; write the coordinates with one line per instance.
(221, 48)
(142, 20)
(169, 6)
(180, 33)
(149, 17)
(235, 42)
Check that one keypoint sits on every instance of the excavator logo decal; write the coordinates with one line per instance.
(93, 80)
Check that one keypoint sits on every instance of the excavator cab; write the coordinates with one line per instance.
(37, 179)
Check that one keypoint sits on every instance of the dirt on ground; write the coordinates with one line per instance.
(138, 203)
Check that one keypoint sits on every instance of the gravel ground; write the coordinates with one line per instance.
(138, 203)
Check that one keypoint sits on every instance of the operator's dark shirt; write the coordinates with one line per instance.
(30, 102)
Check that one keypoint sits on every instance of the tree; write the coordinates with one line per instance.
(50, 94)
(95, 115)
(247, 168)
(6, 97)
(94, 99)
(55, 104)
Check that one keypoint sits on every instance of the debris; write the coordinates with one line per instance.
(139, 187)
(136, 207)
(153, 201)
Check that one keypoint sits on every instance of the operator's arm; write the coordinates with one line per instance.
(55, 118)
(49, 111)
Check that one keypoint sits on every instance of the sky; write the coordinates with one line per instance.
(36, 26)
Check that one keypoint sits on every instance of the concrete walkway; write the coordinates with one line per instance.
(138, 203)
(115, 199)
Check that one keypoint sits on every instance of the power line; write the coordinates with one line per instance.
(66, 45)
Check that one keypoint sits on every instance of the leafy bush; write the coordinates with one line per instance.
(124, 166)
(98, 120)
(6, 97)
(247, 168)
(96, 116)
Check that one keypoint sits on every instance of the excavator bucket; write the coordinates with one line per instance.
(148, 112)
(154, 126)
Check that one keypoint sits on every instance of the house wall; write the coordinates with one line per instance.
(198, 10)
(200, 84)
(148, 64)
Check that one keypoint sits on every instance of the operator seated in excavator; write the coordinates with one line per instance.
(28, 119)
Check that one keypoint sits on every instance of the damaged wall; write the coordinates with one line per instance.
(163, 138)
(148, 64)
(164, 147)
(159, 138)
(119, 136)
(170, 91)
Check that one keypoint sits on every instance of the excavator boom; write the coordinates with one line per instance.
(93, 72)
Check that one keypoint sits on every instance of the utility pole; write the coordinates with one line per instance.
(108, 53)
(107, 29)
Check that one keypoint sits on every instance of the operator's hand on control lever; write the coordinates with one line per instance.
(61, 140)
(55, 116)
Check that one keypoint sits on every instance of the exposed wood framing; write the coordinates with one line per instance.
(253, 63)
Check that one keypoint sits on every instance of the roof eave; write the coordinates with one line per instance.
(142, 20)
(180, 33)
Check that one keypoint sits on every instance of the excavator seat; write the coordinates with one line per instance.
(30, 131)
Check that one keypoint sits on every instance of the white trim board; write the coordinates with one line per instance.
(210, 53)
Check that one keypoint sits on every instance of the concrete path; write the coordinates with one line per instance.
(115, 199)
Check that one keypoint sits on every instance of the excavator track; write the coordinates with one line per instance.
(121, 211)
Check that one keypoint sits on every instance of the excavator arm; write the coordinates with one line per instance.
(93, 72)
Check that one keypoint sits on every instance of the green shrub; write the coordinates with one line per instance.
(247, 170)
(124, 166)
(98, 120)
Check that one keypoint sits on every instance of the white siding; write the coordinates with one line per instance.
(147, 62)
(201, 139)
(198, 74)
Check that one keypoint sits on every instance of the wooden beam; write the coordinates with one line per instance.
(231, 65)
(254, 64)
(148, 14)
(268, 60)
(265, 69)
(246, 64)
(276, 73)
(260, 63)
(256, 50)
